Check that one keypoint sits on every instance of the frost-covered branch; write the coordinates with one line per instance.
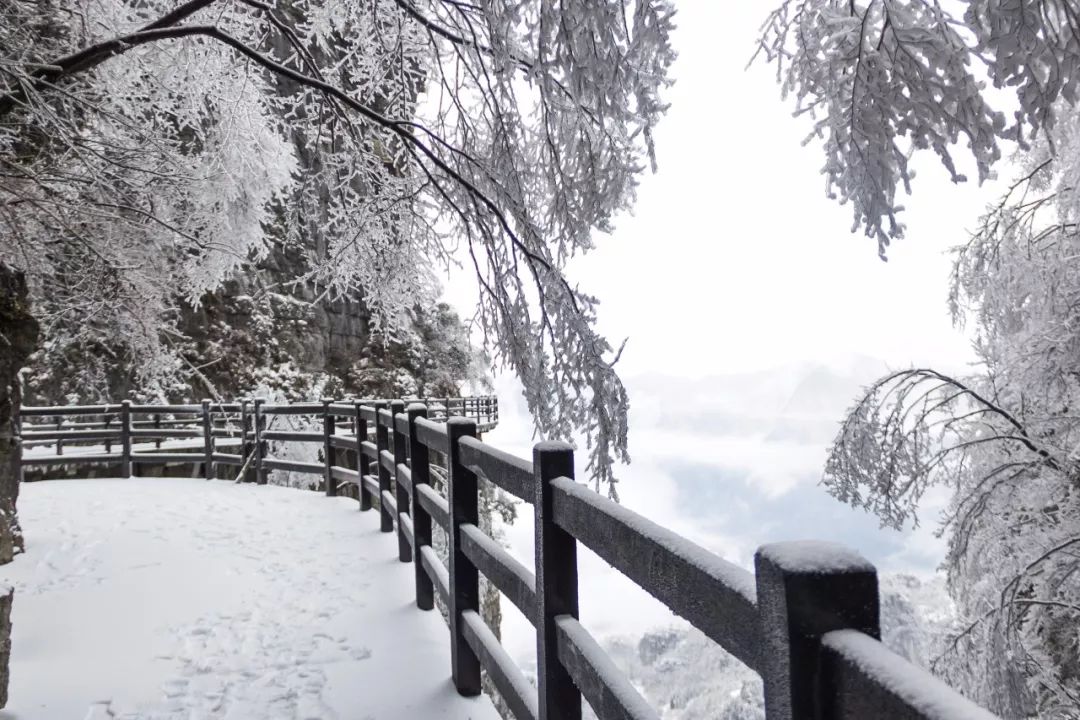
(170, 146)
(1011, 475)
(887, 78)
(880, 80)
(906, 434)
(1003, 443)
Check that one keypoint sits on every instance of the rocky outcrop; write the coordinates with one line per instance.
(259, 332)
(264, 331)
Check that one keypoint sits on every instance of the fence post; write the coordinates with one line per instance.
(556, 584)
(245, 444)
(804, 590)
(208, 441)
(157, 426)
(59, 441)
(352, 460)
(421, 475)
(401, 493)
(17, 447)
(108, 440)
(363, 462)
(328, 428)
(463, 498)
(260, 444)
(125, 439)
(386, 520)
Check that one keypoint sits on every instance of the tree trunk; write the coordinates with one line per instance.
(7, 595)
(18, 338)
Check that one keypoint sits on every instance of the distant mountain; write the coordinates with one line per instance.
(823, 391)
(817, 405)
(799, 403)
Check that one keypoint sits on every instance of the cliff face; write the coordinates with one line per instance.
(264, 333)
(264, 330)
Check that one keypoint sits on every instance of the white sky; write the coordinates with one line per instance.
(734, 258)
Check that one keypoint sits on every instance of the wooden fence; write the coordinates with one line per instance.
(807, 619)
(201, 434)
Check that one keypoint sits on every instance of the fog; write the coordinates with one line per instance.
(733, 466)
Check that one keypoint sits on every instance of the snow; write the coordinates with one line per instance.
(553, 446)
(815, 556)
(920, 689)
(170, 598)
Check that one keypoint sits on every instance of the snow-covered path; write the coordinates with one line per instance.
(181, 599)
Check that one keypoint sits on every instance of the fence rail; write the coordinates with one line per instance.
(806, 620)
(82, 430)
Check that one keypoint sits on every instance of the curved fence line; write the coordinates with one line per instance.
(124, 433)
(806, 620)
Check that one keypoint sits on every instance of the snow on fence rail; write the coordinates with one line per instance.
(807, 619)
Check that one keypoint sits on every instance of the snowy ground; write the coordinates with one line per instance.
(170, 599)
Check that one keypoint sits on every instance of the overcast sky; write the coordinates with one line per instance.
(734, 259)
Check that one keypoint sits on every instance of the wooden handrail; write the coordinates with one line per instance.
(56, 427)
(806, 619)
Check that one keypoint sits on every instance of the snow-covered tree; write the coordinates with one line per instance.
(885, 79)
(434, 359)
(151, 148)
